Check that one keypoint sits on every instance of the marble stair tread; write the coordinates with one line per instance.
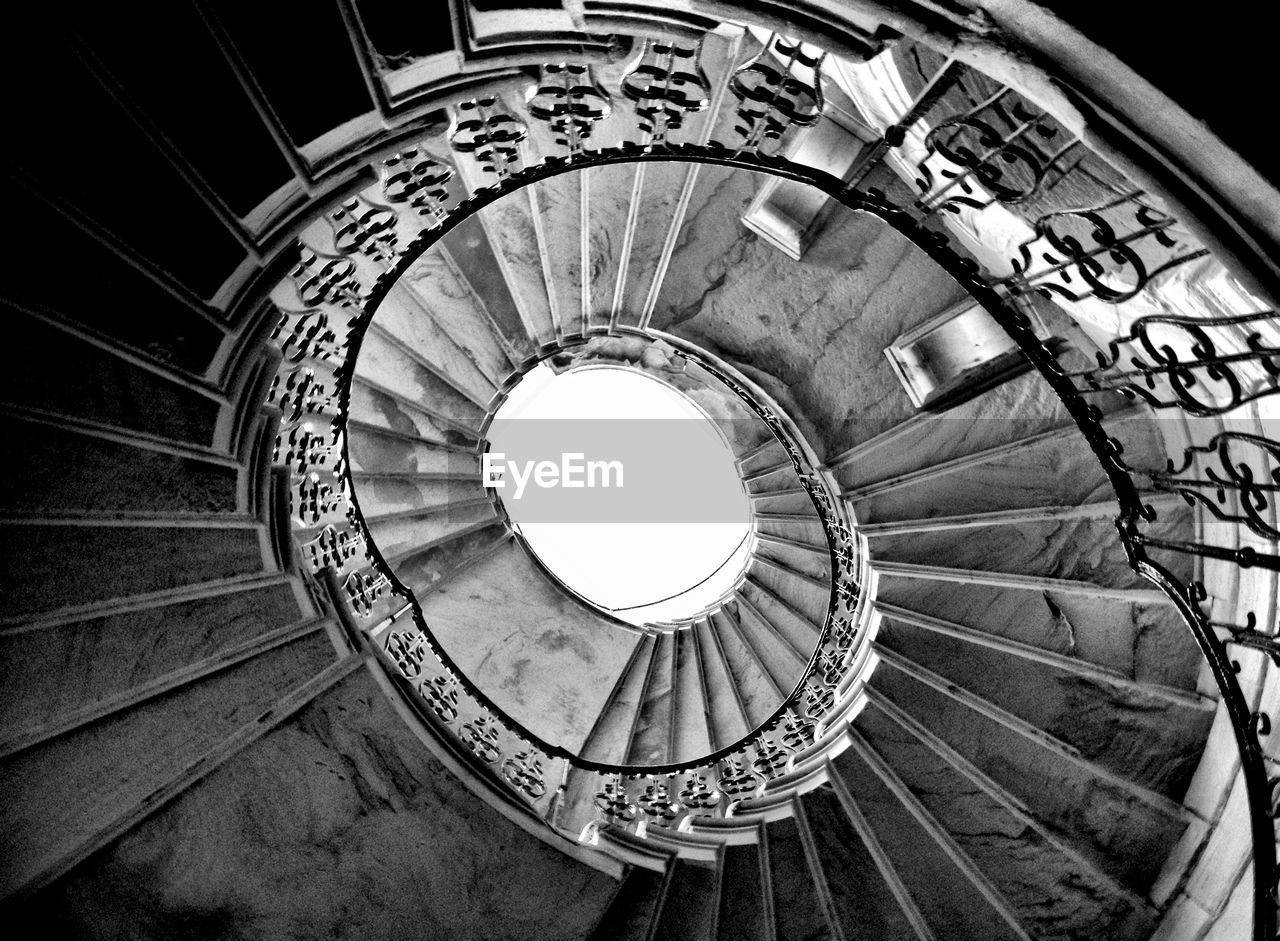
(728, 718)
(377, 406)
(371, 450)
(656, 231)
(559, 199)
(690, 904)
(791, 501)
(117, 655)
(631, 914)
(943, 883)
(783, 662)
(1012, 411)
(798, 527)
(542, 658)
(692, 737)
(1144, 641)
(799, 906)
(759, 696)
(1124, 829)
(1055, 892)
(1146, 733)
(396, 536)
(379, 496)
(437, 285)
(613, 202)
(1052, 469)
(513, 236)
(744, 909)
(396, 367)
(804, 592)
(651, 736)
(423, 572)
(471, 256)
(429, 328)
(808, 556)
(766, 452)
(610, 736)
(776, 475)
(800, 627)
(863, 904)
(1086, 550)
(407, 558)
(97, 776)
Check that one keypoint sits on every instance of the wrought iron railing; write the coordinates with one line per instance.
(1001, 158)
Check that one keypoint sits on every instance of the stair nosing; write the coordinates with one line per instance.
(1015, 580)
(884, 866)
(1027, 651)
(999, 794)
(931, 825)
(1037, 736)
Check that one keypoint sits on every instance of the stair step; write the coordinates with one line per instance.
(374, 450)
(1053, 891)
(691, 903)
(630, 916)
(542, 657)
(1087, 550)
(435, 283)
(433, 330)
(744, 910)
(651, 737)
(809, 559)
(386, 360)
(754, 687)
(1052, 468)
(378, 405)
(691, 735)
(609, 738)
(1012, 411)
(782, 661)
(1125, 829)
(954, 898)
(1142, 638)
(801, 632)
(798, 906)
(727, 714)
(513, 236)
(397, 536)
(863, 902)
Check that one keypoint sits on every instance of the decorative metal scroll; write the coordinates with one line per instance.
(363, 227)
(417, 179)
(1236, 480)
(1112, 252)
(570, 102)
(666, 82)
(1203, 366)
(485, 129)
(973, 162)
(780, 88)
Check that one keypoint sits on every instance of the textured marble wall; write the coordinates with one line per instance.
(811, 332)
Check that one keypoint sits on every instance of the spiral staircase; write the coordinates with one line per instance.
(277, 663)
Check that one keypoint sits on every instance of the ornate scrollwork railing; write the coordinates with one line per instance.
(989, 166)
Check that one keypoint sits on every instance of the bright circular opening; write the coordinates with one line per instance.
(623, 488)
